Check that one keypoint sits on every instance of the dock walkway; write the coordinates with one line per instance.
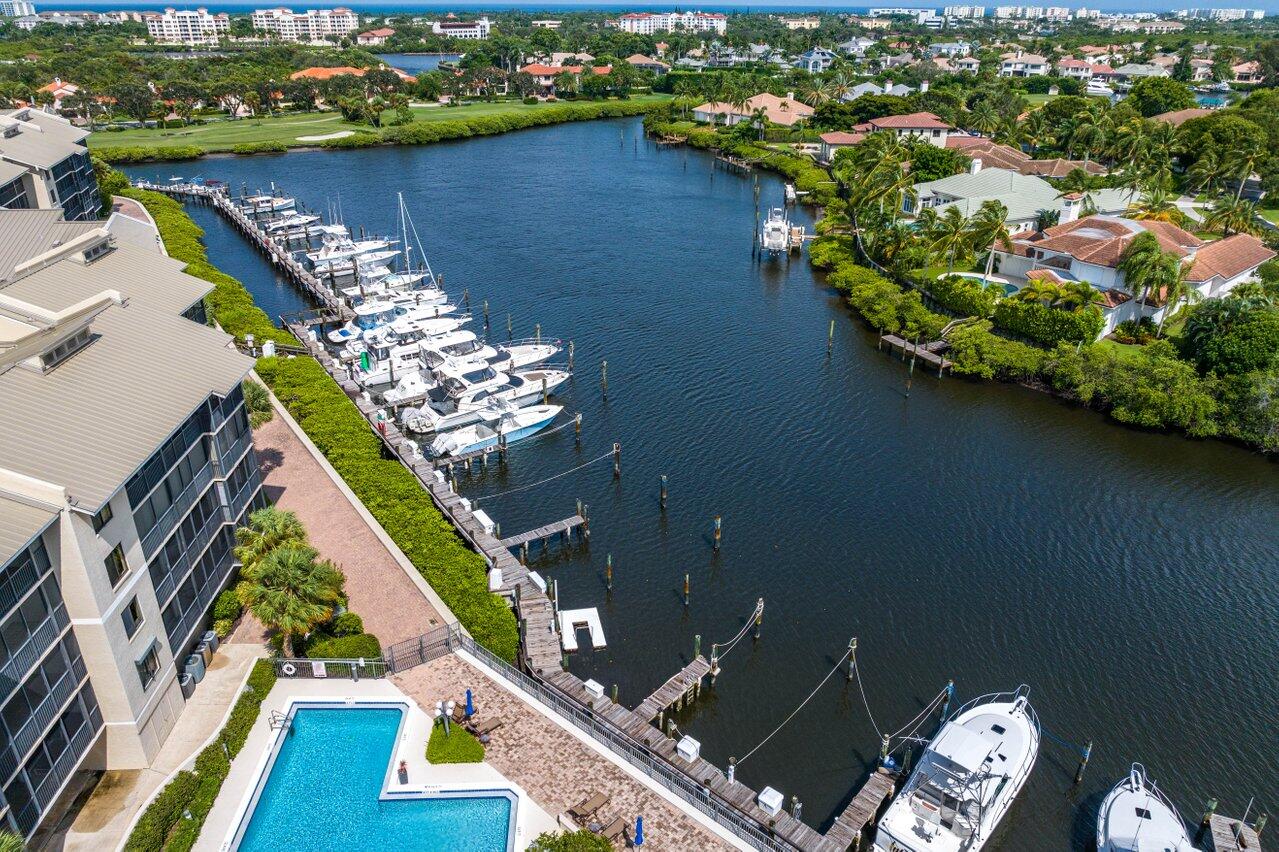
(849, 829)
(929, 353)
(560, 528)
(676, 690)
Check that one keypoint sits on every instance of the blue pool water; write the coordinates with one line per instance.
(322, 794)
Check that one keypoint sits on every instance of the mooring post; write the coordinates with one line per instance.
(714, 663)
(950, 693)
(501, 448)
(544, 394)
(796, 807)
(883, 750)
(1260, 824)
(570, 356)
(830, 338)
(608, 571)
(1083, 762)
(1209, 811)
(718, 532)
(617, 461)
(524, 553)
(697, 643)
(577, 429)
(759, 616)
(663, 497)
(852, 656)
(686, 590)
(732, 770)
(614, 693)
(604, 378)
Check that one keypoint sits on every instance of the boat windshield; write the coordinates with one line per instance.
(466, 347)
(370, 321)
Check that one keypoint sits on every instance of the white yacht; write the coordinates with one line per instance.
(1098, 88)
(389, 362)
(290, 222)
(461, 400)
(966, 779)
(500, 420)
(1137, 817)
(344, 248)
(362, 262)
(774, 237)
(374, 314)
(267, 203)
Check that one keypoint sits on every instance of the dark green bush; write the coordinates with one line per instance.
(1049, 326)
(975, 351)
(125, 154)
(153, 827)
(963, 295)
(226, 606)
(268, 147)
(362, 646)
(348, 624)
(885, 305)
(831, 251)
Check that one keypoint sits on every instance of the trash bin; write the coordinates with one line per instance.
(187, 682)
(212, 638)
(195, 667)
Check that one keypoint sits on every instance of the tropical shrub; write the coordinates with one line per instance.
(348, 624)
(223, 627)
(1231, 336)
(831, 251)
(884, 305)
(975, 351)
(1047, 325)
(226, 606)
(127, 154)
(570, 841)
(266, 147)
(966, 296)
(1139, 331)
(362, 646)
(257, 401)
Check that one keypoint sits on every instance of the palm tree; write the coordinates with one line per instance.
(1036, 131)
(684, 91)
(1232, 216)
(983, 117)
(950, 235)
(1076, 295)
(1157, 205)
(1089, 133)
(990, 227)
(1177, 288)
(291, 592)
(1143, 264)
(759, 120)
(1041, 290)
(842, 83)
(1241, 159)
(811, 92)
(268, 528)
(10, 842)
(1207, 172)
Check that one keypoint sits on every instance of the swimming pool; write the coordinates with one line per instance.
(323, 791)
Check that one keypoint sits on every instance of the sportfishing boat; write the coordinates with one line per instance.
(774, 236)
(459, 400)
(288, 223)
(365, 260)
(387, 364)
(402, 331)
(966, 778)
(1098, 88)
(505, 357)
(344, 248)
(502, 421)
(375, 314)
(267, 203)
(1137, 817)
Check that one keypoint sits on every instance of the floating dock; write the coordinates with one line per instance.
(686, 685)
(572, 619)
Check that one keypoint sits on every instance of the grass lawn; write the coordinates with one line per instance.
(1123, 350)
(458, 747)
(1039, 100)
(1270, 214)
(224, 135)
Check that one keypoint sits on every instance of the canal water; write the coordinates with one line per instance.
(417, 63)
(978, 532)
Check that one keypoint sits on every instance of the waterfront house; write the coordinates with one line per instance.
(1179, 117)
(374, 38)
(1021, 64)
(785, 111)
(835, 140)
(1090, 249)
(918, 125)
(899, 89)
(1247, 72)
(967, 65)
(856, 47)
(644, 63)
(59, 91)
(952, 49)
(986, 153)
(1076, 69)
(1136, 70)
(546, 76)
(1025, 196)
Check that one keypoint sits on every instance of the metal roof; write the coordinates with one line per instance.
(1023, 195)
(41, 140)
(20, 522)
(88, 423)
(27, 233)
(10, 172)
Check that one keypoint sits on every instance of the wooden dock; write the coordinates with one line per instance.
(929, 353)
(560, 528)
(849, 830)
(1222, 831)
(684, 686)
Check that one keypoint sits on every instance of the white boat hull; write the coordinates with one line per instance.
(513, 427)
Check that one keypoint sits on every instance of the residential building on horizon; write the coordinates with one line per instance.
(188, 26)
(313, 25)
(647, 23)
(16, 8)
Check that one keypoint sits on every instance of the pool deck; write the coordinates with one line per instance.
(237, 790)
(558, 765)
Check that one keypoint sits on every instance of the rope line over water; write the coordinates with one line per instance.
(732, 643)
(607, 455)
(796, 710)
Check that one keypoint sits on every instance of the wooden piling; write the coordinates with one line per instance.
(614, 693)
(577, 429)
(830, 338)
(759, 616)
(570, 356)
(617, 461)
(604, 378)
(685, 590)
(852, 656)
(608, 572)
(663, 495)
(544, 392)
(718, 532)
(1083, 762)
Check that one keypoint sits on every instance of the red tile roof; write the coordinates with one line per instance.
(911, 121)
(839, 137)
(1229, 258)
(1179, 117)
(1101, 240)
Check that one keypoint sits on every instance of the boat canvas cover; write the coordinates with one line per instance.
(962, 747)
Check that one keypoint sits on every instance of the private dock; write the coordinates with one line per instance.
(1232, 835)
(564, 529)
(849, 830)
(683, 687)
(572, 619)
(929, 353)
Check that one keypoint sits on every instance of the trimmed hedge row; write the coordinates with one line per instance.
(1049, 326)
(162, 825)
(229, 303)
(395, 497)
(127, 154)
(360, 646)
(276, 147)
(884, 305)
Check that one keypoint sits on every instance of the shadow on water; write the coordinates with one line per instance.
(979, 532)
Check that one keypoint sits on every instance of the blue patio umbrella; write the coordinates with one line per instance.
(639, 831)
(470, 707)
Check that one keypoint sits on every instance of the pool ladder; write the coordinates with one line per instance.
(278, 720)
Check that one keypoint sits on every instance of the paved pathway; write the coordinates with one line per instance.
(553, 766)
(392, 606)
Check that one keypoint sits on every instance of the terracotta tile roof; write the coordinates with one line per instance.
(1058, 167)
(991, 154)
(1179, 117)
(784, 111)
(839, 137)
(382, 32)
(1102, 69)
(326, 73)
(911, 121)
(1073, 63)
(1229, 258)
(1101, 240)
(554, 70)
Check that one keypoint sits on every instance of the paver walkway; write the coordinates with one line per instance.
(553, 766)
(392, 606)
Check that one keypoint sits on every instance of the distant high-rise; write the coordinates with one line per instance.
(16, 8)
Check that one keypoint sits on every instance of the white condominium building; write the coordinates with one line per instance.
(454, 28)
(16, 8)
(311, 25)
(964, 12)
(1205, 14)
(188, 26)
(646, 23)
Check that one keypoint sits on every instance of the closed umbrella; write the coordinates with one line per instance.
(470, 707)
(639, 831)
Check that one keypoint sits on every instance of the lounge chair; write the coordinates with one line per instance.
(485, 726)
(459, 714)
(614, 829)
(582, 813)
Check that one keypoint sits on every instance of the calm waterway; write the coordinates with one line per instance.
(971, 531)
(416, 63)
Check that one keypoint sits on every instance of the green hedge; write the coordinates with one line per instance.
(229, 303)
(361, 646)
(975, 351)
(126, 154)
(1049, 326)
(162, 825)
(966, 296)
(395, 497)
(425, 132)
(459, 746)
(885, 305)
(270, 147)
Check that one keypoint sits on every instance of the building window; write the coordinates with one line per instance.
(102, 518)
(132, 618)
(148, 667)
(116, 566)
